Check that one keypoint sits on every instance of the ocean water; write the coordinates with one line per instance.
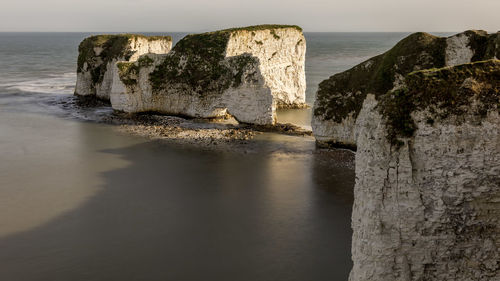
(46, 62)
(83, 201)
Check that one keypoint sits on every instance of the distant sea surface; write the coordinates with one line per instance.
(46, 62)
(83, 201)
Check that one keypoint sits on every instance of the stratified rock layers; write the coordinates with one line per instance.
(98, 56)
(245, 72)
(427, 193)
(340, 98)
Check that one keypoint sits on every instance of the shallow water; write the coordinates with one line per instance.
(82, 201)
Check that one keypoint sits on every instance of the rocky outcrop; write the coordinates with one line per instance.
(98, 56)
(340, 98)
(427, 193)
(245, 72)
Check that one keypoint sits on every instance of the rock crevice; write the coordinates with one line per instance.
(426, 206)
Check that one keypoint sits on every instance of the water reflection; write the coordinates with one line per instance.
(164, 213)
(47, 169)
(300, 117)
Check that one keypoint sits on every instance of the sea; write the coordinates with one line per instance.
(84, 201)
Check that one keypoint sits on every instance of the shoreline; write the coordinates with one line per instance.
(224, 134)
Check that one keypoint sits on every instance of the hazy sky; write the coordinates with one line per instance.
(197, 15)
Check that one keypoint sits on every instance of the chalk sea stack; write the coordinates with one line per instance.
(340, 98)
(427, 193)
(245, 72)
(98, 56)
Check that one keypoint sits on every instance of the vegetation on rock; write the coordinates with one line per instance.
(484, 45)
(196, 60)
(112, 47)
(261, 27)
(451, 91)
(344, 93)
(128, 72)
(199, 61)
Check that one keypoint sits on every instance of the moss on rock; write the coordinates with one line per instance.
(145, 61)
(110, 47)
(275, 36)
(128, 72)
(344, 93)
(469, 89)
(485, 46)
(199, 62)
(493, 46)
(254, 28)
(196, 61)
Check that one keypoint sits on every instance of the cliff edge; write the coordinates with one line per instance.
(427, 192)
(340, 98)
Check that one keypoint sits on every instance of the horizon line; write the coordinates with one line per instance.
(305, 31)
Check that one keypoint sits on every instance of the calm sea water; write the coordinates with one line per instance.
(82, 201)
(46, 62)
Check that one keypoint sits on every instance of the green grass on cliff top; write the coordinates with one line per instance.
(442, 92)
(378, 77)
(343, 93)
(102, 38)
(113, 46)
(259, 27)
(202, 56)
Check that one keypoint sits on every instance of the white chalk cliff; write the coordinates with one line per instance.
(245, 72)
(339, 98)
(99, 54)
(427, 194)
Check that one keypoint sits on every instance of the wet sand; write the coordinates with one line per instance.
(213, 134)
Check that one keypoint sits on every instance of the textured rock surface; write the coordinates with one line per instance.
(339, 98)
(427, 193)
(98, 56)
(246, 72)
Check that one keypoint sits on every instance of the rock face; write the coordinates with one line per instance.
(427, 193)
(340, 98)
(246, 72)
(98, 56)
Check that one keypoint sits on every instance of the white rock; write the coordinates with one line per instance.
(458, 50)
(272, 74)
(282, 60)
(100, 62)
(429, 210)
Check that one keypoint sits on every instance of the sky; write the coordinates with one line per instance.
(198, 15)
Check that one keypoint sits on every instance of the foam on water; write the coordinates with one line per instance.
(55, 84)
